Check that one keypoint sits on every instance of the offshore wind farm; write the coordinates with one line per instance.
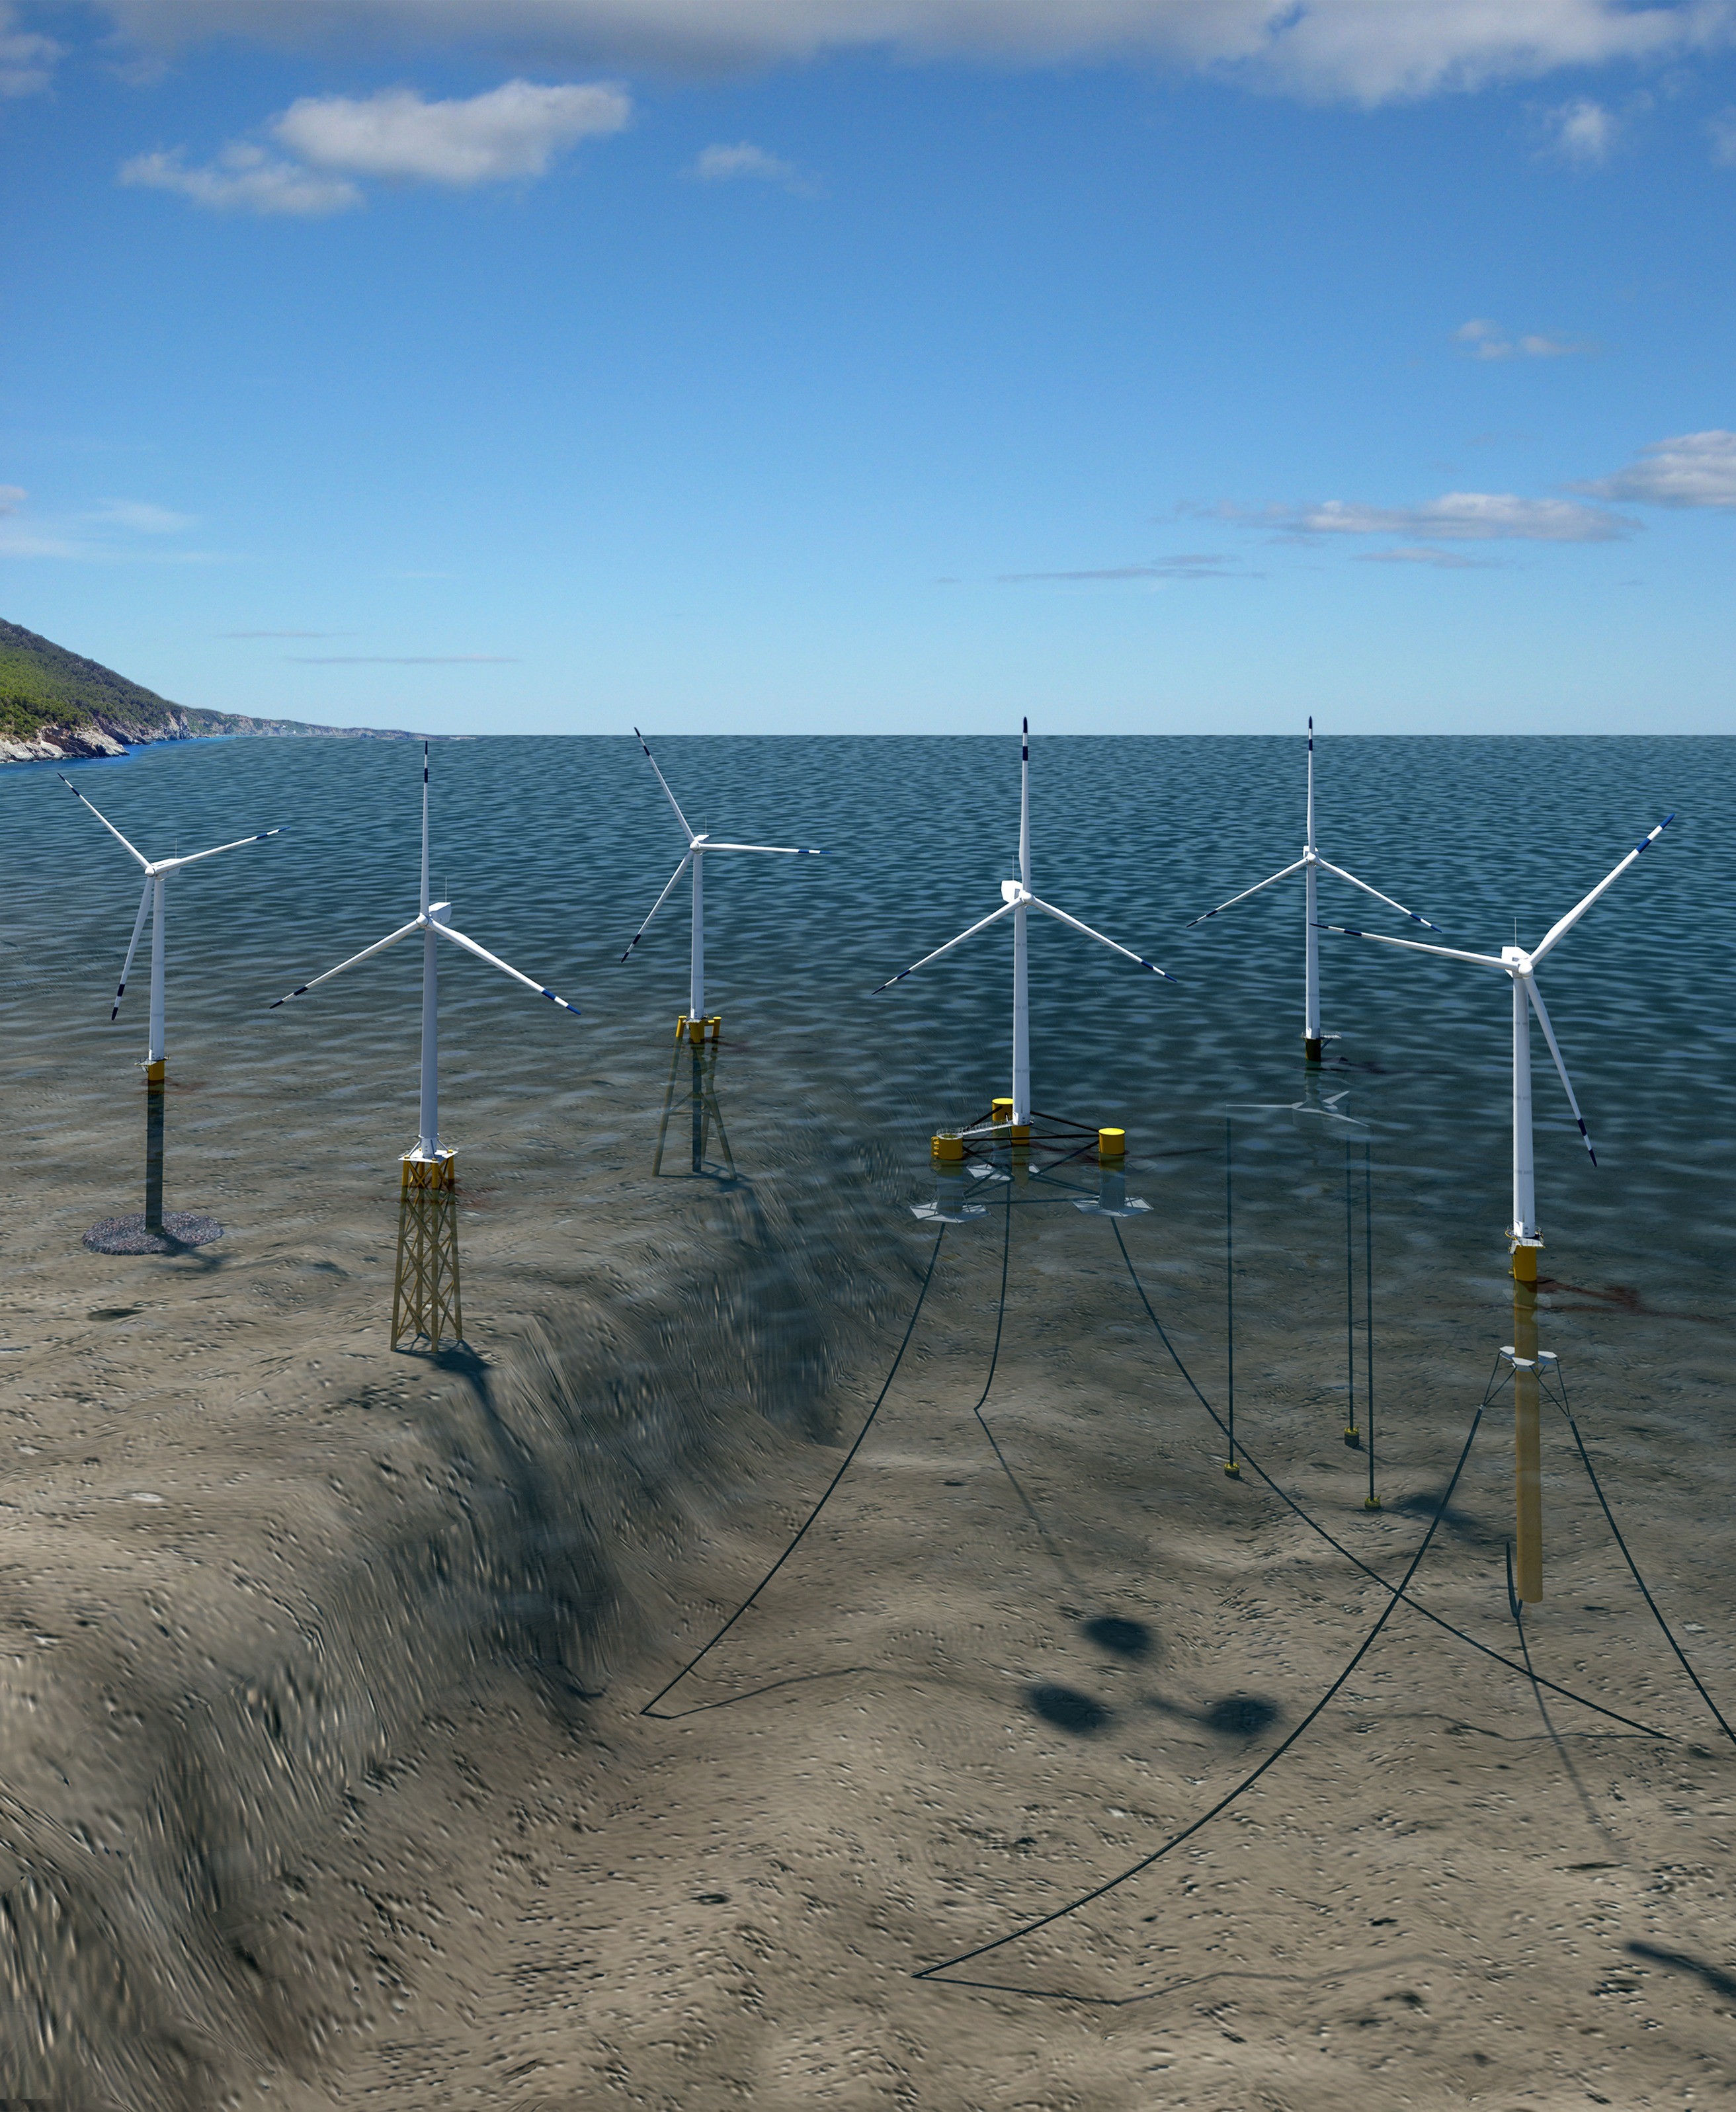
(1000, 1446)
(661, 1379)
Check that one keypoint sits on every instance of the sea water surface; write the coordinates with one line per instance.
(551, 851)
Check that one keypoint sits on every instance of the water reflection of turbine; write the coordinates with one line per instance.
(1314, 1105)
(1523, 1237)
(1016, 899)
(1112, 1199)
(426, 1303)
(696, 1042)
(694, 855)
(152, 1233)
(1310, 865)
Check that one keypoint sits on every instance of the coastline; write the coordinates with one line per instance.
(73, 745)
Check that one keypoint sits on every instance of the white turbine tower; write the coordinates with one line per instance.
(149, 1235)
(1523, 1237)
(425, 1296)
(1016, 899)
(1521, 967)
(699, 847)
(1311, 865)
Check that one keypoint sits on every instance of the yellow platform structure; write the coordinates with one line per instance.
(425, 1302)
(693, 1070)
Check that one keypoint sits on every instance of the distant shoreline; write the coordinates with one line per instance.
(66, 745)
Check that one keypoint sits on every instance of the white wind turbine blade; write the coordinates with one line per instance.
(366, 953)
(1542, 1020)
(685, 830)
(1037, 902)
(1558, 931)
(1245, 893)
(103, 819)
(1418, 946)
(126, 966)
(656, 905)
(781, 850)
(506, 968)
(193, 857)
(994, 916)
(1326, 866)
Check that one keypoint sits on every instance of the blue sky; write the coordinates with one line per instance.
(549, 366)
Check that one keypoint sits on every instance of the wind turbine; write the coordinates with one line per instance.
(698, 847)
(426, 1289)
(1523, 1238)
(149, 1234)
(1521, 967)
(1016, 899)
(1311, 865)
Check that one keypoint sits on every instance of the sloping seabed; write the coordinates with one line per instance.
(210, 1676)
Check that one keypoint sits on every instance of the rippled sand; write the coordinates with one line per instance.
(325, 1780)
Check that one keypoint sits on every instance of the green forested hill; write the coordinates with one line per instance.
(57, 703)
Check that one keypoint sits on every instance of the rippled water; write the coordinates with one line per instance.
(552, 850)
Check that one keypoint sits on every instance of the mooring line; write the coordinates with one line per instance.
(1350, 1301)
(826, 1496)
(1230, 1466)
(1313, 1525)
(1516, 1605)
(1271, 1760)
(1627, 1556)
(1031, 1510)
(1373, 1502)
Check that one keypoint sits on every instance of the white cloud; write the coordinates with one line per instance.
(1691, 470)
(513, 130)
(1446, 561)
(104, 534)
(723, 164)
(1185, 565)
(1456, 516)
(138, 515)
(1723, 131)
(1365, 51)
(244, 178)
(1583, 132)
(1470, 516)
(1483, 339)
(26, 59)
(403, 660)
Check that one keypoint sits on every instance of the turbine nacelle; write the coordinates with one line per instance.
(151, 902)
(432, 919)
(1520, 965)
(1016, 899)
(699, 842)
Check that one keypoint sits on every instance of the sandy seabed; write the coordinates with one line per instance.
(326, 1782)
